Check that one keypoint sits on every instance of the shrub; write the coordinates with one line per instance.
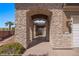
(12, 49)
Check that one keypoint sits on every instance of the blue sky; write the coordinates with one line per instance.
(7, 13)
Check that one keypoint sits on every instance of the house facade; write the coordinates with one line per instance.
(58, 23)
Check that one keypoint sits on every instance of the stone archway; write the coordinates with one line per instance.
(56, 16)
(34, 35)
(40, 25)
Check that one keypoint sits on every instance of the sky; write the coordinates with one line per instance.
(7, 13)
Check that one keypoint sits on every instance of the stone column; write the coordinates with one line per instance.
(30, 35)
(56, 29)
(21, 30)
(34, 31)
(44, 31)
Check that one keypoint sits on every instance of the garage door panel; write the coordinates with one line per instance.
(75, 30)
(77, 40)
(75, 33)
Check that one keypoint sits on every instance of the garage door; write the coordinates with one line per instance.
(75, 30)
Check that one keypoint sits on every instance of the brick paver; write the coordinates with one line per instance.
(41, 49)
(44, 49)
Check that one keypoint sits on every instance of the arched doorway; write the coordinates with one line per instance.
(39, 26)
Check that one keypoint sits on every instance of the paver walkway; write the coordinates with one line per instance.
(44, 49)
(41, 49)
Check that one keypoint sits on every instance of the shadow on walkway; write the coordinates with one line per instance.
(36, 41)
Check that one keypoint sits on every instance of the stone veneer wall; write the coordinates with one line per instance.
(56, 28)
(58, 39)
(21, 29)
(56, 36)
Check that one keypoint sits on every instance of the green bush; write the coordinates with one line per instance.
(13, 49)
